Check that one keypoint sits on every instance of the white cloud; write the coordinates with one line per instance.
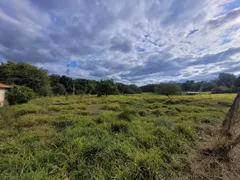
(124, 39)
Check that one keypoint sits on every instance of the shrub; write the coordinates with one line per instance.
(19, 95)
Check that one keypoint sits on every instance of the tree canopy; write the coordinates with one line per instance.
(106, 87)
(168, 89)
(226, 79)
(25, 75)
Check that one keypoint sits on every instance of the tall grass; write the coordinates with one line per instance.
(124, 137)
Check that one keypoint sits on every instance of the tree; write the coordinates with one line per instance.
(220, 89)
(208, 86)
(123, 88)
(26, 75)
(134, 89)
(188, 85)
(168, 89)
(230, 136)
(237, 82)
(149, 88)
(59, 89)
(226, 79)
(68, 83)
(128, 89)
(54, 79)
(106, 87)
(80, 86)
(19, 95)
(92, 87)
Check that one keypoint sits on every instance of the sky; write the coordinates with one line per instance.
(129, 41)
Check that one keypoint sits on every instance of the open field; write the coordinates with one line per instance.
(141, 136)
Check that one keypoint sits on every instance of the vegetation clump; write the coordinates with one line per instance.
(19, 95)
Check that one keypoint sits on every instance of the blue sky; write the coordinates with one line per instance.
(137, 41)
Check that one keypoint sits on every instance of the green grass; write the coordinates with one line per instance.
(116, 137)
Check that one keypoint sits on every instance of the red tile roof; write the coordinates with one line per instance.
(4, 86)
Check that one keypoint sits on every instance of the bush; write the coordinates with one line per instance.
(19, 95)
(32, 77)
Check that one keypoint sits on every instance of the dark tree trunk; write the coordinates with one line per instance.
(232, 119)
(230, 131)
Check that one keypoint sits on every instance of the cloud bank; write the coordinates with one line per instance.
(140, 42)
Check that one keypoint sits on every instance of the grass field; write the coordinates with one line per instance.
(141, 136)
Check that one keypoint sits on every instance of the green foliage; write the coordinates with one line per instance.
(25, 75)
(226, 79)
(237, 82)
(143, 112)
(24, 109)
(113, 107)
(57, 87)
(168, 89)
(67, 83)
(223, 89)
(149, 88)
(158, 112)
(106, 87)
(72, 137)
(128, 114)
(62, 85)
(19, 95)
(119, 126)
(128, 89)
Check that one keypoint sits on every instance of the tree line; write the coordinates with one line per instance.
(42, 84)
(37, 79)
(224, 83)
